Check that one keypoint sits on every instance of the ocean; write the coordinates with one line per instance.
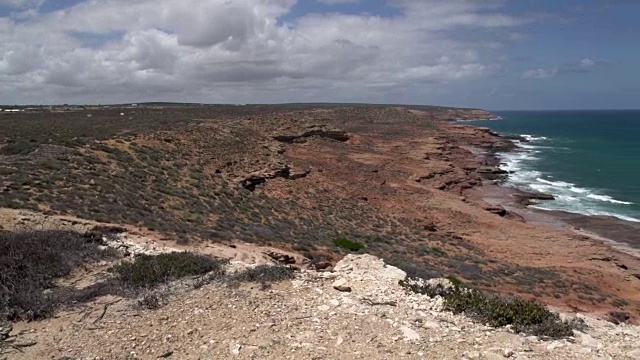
(589, 160)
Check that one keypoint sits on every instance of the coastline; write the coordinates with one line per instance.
(620, 234)
(511, 232)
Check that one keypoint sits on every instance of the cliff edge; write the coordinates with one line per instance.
(358, 310)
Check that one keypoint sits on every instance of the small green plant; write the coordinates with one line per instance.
(524, 316)
(348, 244)
(619, 303)
(439, 252)
(455, 281)
(148, 271)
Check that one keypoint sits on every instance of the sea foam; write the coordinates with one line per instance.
(608, 199)
(533, 138)
(568, 196)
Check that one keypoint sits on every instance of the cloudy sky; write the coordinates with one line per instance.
(494, 54)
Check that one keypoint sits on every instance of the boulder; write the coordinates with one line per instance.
(251, 181)
(368, 266)
(409, 334)
(496, 209)
(492, 170)
(281, 258)
(341, 285)
(587, 340)
(525, 198)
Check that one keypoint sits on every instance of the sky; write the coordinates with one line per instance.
(491, 54)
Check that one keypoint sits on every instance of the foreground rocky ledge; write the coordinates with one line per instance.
(307, 318)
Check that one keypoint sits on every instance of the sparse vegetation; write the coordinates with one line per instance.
(348, 244)
(524, 316)
(152, 300)
(618, 317)
(19, 147)
(172, 168)
(265, 275)
(454, 280)
(148, 271)
(30, 263)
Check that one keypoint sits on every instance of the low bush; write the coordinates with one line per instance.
(266, 275)
(618, 317)
(524, 316)
(19, 147)
(348, 244)
(148, 271)
(439, 252)
(455, 281)
(30, 262)
(152, 300)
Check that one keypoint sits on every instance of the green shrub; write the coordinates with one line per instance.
(30, 262)
(348, 244)
(438, 251)
(19, 147)
(618, 317)
(148, 271)
(152, 301)
(524, 316)
(454, 280)
(263, 274)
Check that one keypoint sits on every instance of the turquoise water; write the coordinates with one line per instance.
(589, 160)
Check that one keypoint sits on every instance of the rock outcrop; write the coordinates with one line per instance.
(251, 181)
(313, 316)
(322, 131)
(527, 198)
(496, 209)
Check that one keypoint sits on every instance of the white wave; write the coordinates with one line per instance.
(560, 188)
(555, 183)
(522, 177)
(519, 156)
(533, 138)
(588, 212)
(608, 199)
(578, 190)
(516, 161)
(567, 198)
(531, 148)
(547, 189)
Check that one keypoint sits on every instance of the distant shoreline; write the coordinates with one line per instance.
(622, 234)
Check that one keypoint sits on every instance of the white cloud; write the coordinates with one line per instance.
(21, 4)
(239, 51)
(540, 73)
(586, 63)
(333, 2)
(583, 66)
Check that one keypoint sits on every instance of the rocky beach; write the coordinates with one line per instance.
(620, 233)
